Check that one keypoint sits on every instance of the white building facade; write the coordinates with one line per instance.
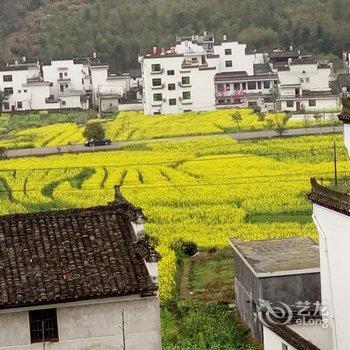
(182, 78)
(304, 85)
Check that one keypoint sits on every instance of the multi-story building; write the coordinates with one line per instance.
(304, 85)
(62, 84)
(25, 87)
(182, 78)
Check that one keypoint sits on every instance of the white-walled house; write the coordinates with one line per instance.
(304, 85)
(78, 279)
(182, 78)
(69, 82)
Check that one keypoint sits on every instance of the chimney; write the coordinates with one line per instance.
(291, 48)
(94, 55)
(154, 50)
(205, 33)
(193, 38)
(16, 62)
(224, 37)
(24, 59)
(289, 61)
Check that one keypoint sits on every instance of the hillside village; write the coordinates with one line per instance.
(203, 235)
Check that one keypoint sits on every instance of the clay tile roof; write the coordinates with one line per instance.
(71, 255)
(291, 337)
(329, 198)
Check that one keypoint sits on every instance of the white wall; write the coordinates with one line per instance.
(273, 342)
(240, 60)
(334, 229)
(322, 104)
(347, 136)
(83, 326)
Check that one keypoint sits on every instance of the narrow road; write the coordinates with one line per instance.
(251, 135)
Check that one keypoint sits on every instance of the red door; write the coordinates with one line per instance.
(298, 107)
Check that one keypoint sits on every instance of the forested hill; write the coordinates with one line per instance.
(120, 29)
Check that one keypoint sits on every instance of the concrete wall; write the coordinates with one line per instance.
(273, 342)
(322, 104)
(130, 107)
(316, 334)
(334, 229)
(347, 136)
(84, 326)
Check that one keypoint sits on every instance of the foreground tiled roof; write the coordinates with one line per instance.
(330, 199)
(292, 338)
(72, 255)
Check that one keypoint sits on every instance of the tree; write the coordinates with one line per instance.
(94, 131)
(237, 118)
(261, 118)
(275, 94)
(3, 96)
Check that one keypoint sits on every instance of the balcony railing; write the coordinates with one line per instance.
(161, 86)
(157, 71)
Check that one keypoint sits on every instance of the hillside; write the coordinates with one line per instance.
(120, 29)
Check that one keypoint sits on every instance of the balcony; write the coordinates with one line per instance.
(185, 85)
(185, 101)
(158, 103)
(161, 86)
(161, 71)
(63, 79)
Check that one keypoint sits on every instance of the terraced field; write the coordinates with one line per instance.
(202, 191)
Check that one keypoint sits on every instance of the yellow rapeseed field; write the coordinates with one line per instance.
(202, 191)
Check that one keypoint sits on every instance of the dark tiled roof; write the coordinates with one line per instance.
(329, 198)
(135, 73)
(344, 117)
(71, 255)
(292, 338)
(303, 60)
(283, 54)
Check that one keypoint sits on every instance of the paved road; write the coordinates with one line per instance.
(44, 151)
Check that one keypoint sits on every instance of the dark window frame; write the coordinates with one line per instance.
(19, 105)
(46, 318)
(188, 94)
(228, 64)
(8, 90)
(172, 102)
(228, 52)
(251, 85)
(171, 72)
(171, 87)
(186, 80)
(290, 104)
(159, 99)
(312, 103)
(157, 82)
(156, 67)
(7, 78)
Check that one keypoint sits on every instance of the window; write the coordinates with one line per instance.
(171, 72)
(266, 85)
(156, 67)
(244, 86)
(43, 325)
(236, 101)
(157, 97)
(65, 74)
(312, 103)
(284, 347)
(157, 82)
(6, 105)
(237, 86)
(7, 78)
(228, 52)
(25, 91)
(171, 86)
(290, 104)
(51, 84)
(172, 101)
(66, 86)
(228, 87)
(19, 105)
(301, 80)
(185, 81)
(259, 85)
(156, 113)
(82, 81)
(19, 91)
(251, 85)
(221, 102)
(61, 75)
(187, 110)
(64, 103)
(307, 80)
(186, 95)
(8, 91)
(62, 88)
(228, 64)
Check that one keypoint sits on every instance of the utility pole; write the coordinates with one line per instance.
(335, 165)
